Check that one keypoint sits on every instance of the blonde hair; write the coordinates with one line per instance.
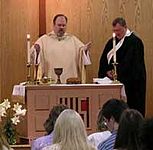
(70, 132)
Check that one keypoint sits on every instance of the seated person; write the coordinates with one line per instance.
(111, 112)
(43, 141)
(127, 136)
(69, 133)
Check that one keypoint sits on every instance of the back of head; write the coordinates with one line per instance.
(146, 138)
(127, 136)
(53, 115)
(119, 20)
(114, 108)
(70, 131)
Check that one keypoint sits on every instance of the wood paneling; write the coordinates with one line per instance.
(90, 20)
(42, 17)
(18, 17)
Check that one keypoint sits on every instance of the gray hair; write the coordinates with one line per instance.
(119, 20)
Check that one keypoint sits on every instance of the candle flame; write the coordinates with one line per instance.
(114, 35)
(28, 36)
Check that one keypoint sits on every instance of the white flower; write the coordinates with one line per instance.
(15, 120)
(6, 104)
(3, 107)
(20, 112)
(2, 111)
(17, 107)
(13, 117)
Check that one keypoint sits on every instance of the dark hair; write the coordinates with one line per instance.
(119, 20)
(127, 135)
(146, 130)
(59, 15)
(114, 108)
(100, 122)
(53, 115)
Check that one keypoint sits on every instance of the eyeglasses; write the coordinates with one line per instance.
(104, 122)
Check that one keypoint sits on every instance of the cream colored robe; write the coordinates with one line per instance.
(66, 52)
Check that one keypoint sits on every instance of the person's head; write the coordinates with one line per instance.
(127, 135)
(53, 115)
(70, 131)
(112, 111)
(119, 27)
(59, 24)
(145, 134)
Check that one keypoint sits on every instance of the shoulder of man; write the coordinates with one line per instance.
(108, 144)
(102, 146)
(44, 36)
(135, 36)
(71, 35)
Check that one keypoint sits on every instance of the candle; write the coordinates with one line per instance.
(28, 47)
(114, 49)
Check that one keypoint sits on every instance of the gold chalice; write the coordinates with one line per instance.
(58, 72)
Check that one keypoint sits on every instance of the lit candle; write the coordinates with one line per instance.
(114, 49)
(28, 47)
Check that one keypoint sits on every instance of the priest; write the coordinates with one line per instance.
(59, 49)
(129, 53)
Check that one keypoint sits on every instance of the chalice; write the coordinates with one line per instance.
(58, 72)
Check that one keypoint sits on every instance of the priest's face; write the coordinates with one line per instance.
(119, 30)
(60, 26)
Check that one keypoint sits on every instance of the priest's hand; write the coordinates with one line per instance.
(110, 74)
(37, 47)
(87, 46)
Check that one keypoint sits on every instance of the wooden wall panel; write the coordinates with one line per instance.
(90, 20)
(146, 32)
(32, 19)
(19, 17)
(42, 17)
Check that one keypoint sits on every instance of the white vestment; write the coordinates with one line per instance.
(66, 52)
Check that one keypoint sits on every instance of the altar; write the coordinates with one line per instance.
(86, 99)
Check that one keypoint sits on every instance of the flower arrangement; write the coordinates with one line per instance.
(10, 117)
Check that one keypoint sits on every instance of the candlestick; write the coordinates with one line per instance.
(114, 49)
(28, 73)
(114, 73)
(28, 47)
